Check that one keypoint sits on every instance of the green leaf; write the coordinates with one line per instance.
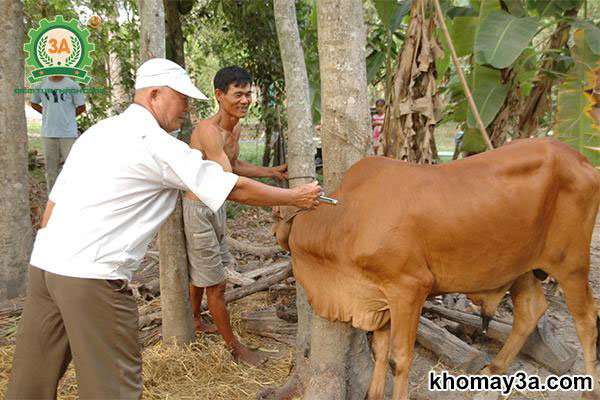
(574, 123)
(502, 37)
(527, 60)
(515, 7)
(472, 141)
(488, 6)
(554, 8)
(386, 10)
(463, 34)
(592, 35)
(374, 63)
(526, 69)
(488, 94)
(461, 12)
(401, 11)
(442, 64)
(525, 80)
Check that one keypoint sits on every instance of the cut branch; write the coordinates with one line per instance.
(261, 251)
(454, 352)
(257, 286)
(541, 345)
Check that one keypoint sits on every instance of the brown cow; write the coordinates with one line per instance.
(403, 232)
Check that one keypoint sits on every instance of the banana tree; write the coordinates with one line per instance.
(513, 62)
(575, 123)
(414, 105)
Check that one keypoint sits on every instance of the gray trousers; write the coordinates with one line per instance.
(56, 151)
(92, 321)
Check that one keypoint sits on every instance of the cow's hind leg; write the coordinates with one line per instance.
(529, 305)
(381, 353)
(582, 306)
(406, 302)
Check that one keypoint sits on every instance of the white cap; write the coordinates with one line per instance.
(163, 72)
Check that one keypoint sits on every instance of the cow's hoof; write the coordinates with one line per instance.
(489, 395)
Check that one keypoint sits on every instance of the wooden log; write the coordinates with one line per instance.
(257, 286)
(269, 269)
(542, 345)
(11, 308)
(287, 312)
(261, 251)
(454, 352)
(148, 273)
(149, 319)
(236, 278)
(266, 323)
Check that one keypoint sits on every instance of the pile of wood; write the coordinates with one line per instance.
(447, 337)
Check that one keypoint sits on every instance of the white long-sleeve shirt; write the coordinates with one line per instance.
(116, 188)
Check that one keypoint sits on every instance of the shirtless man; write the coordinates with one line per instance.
(218, 139)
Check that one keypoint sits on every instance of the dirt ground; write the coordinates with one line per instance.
(208, 372)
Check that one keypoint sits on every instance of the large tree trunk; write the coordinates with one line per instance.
(15, 235)
(174, 38)
(301, 169)
(175, 52)
(177, 320)
(415, 106)
(118, 95)
(339, 356)
(267, 120)
(178, 325)
(152, 29)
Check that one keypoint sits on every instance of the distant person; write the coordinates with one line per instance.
(377, 123)
(218, 139)
(60, 103)
(118, 186)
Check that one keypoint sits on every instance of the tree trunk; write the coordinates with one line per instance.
(152, 29)
(415, 106)
(15, 235)
(174, 38)
(301, 169)
(118, 95)
(178, 325)
(267, 120)
(175, 52)
(339, 356)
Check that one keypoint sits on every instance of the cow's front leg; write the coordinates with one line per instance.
(405, 309)
(381, 353)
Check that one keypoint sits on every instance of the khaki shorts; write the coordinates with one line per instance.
(208, 253)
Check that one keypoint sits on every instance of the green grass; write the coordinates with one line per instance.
(33, 132)
(252, 152)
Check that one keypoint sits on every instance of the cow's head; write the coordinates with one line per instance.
(283, 217)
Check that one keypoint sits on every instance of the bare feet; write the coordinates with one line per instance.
(251, 357)
(203, 327)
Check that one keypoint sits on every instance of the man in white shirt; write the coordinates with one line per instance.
(60, 101)
(118, 185)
